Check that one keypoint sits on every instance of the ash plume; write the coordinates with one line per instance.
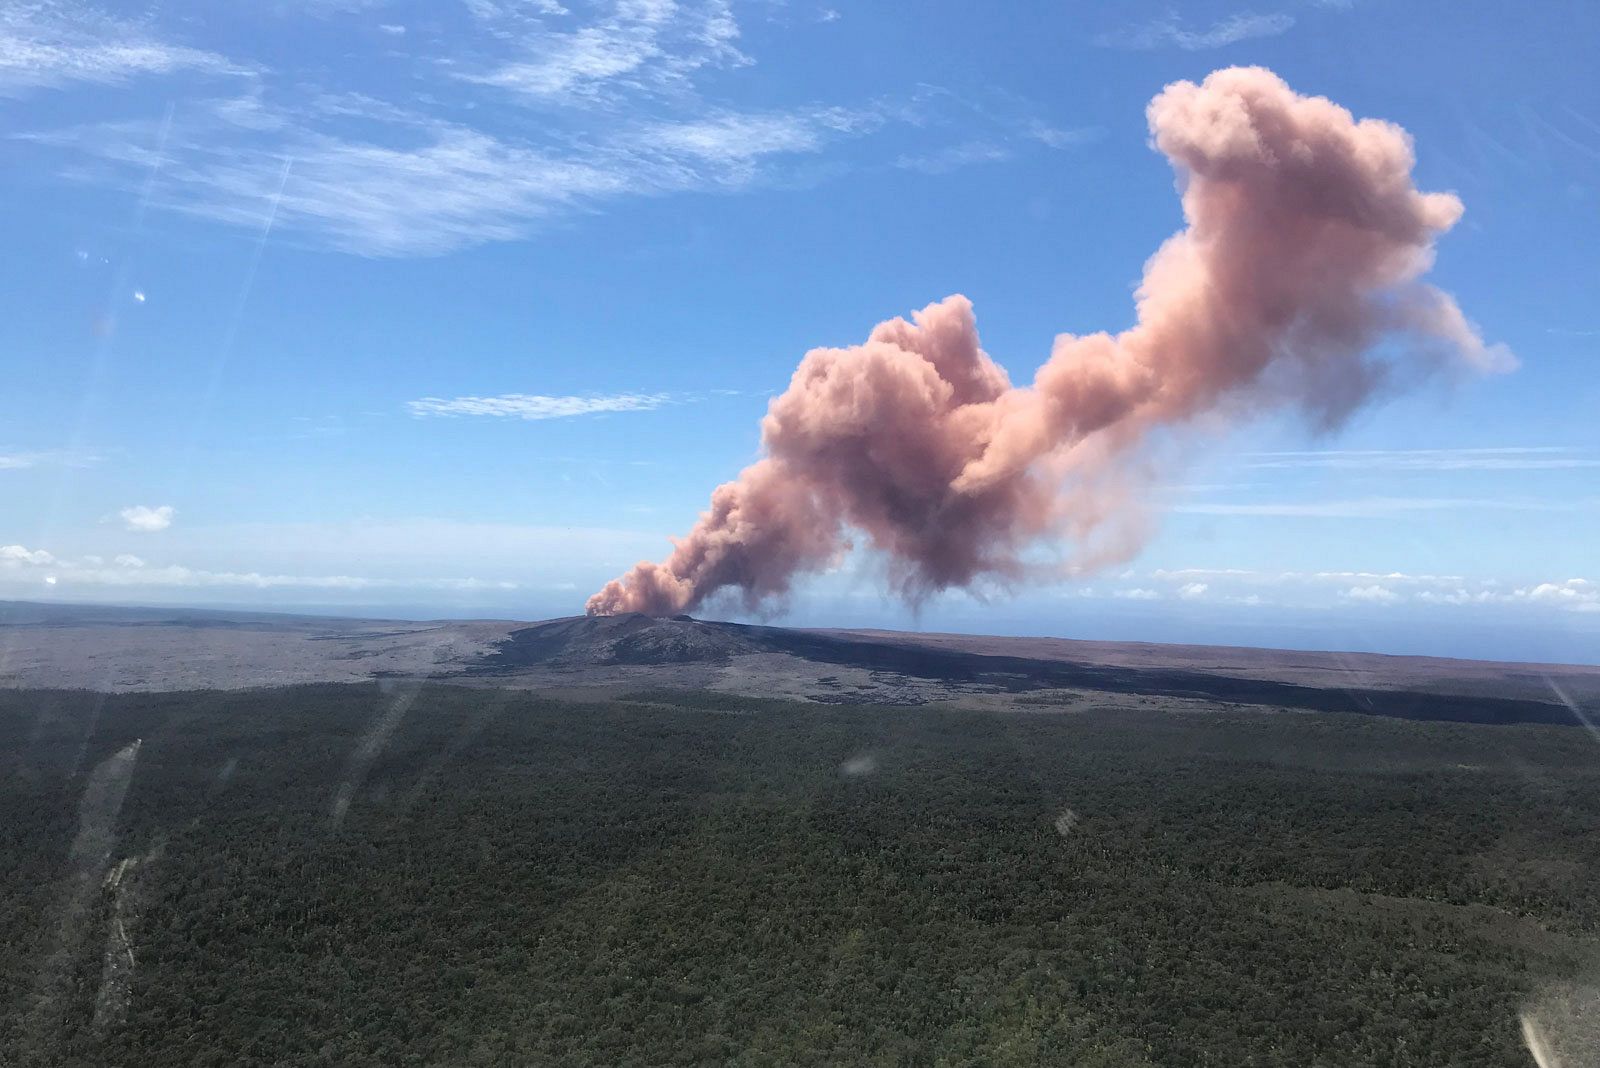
(1296, 282)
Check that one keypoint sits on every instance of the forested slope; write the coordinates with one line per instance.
(439, 875)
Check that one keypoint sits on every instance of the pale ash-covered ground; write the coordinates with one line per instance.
(120, 649)
(135, 650)
(119, 657)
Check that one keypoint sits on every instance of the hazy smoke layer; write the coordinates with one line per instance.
(1304, 243)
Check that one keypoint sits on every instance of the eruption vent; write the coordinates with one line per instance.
(1304, 245)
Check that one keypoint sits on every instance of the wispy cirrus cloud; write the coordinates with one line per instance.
(954, 157)
(423, 189)
(407, 184)
(1060, 137)
(538, 406)
(628, 46)
(1168, 31)
(53, 43)
(324, 8)
(1006, 135)
(732, 138)
(348, 165)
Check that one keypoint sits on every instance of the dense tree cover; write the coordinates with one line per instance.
(443, 875)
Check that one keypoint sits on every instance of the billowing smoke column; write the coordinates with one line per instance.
(1304, 245)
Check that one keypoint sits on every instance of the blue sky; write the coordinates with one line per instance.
(444, 309)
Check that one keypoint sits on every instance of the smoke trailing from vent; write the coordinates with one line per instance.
(1305, 243)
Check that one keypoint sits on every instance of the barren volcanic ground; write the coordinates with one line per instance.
(122, 649)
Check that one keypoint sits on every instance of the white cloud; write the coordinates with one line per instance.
(399, 546)
(1056, 137)
(367, 561)
(1373, 507)
(23, 460)
(435, 187)
(1137, 595)
(1578, 594)
(730, 137)
(1373, 594)
(1518, 458)
(619, 117)
(634, 45)
(496, 10)
(55, 42)
(1574, 594)
(1380, 587)
(1249, 575)
(1168, 31)
(144, 519)
(536, 406)
(944, 160)
(131, 571)
(323, 8)
(1457, 596)
(409, 184)
(17, 554)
